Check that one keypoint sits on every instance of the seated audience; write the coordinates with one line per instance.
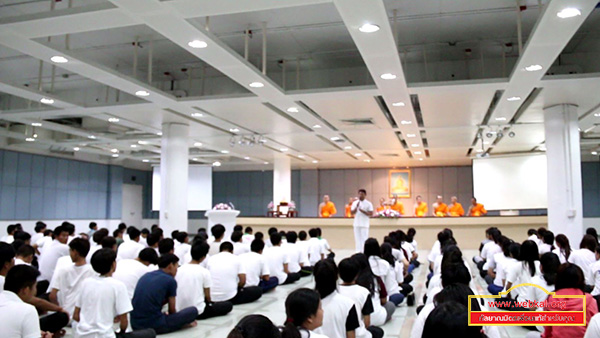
(563, 248)
(39, 229)
(25, 255)
(383, 271)
(549, 264)
(548, 243)
(255, 326)
(510, 252)
(304, 314)
(97, 238)
(19, 319)
(584, 258)
(257, 269)
(523, 271)
(130, 249)
(166, 246)
(248, 236)
(239, 247)
(55, 250)
(278, 261)
(450, 319)
(315, 250)
(383, 309)
(129, 271)
(218, 233)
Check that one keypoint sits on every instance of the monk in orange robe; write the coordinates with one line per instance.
(420, 208)
(455, 209)
(476, 209)
(440, 209)
(349, 208)
(327, 208)
(382, 206)
(397, 205)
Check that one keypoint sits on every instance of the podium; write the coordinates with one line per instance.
(225, 217)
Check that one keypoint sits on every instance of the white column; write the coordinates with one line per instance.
(282, 180)
(565, 199)
(174, 164)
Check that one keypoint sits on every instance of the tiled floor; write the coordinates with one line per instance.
(272, 306)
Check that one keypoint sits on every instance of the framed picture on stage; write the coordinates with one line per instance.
(399, 183)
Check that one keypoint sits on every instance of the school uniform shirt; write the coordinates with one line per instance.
(214, 248)
(240, 248)
(93, 248)
(584, 258)
(224, 269)
(434, 252)
(545, 248)
(49, 257)
(2, 278)
(192, 279)
(129, 272)
(315, 250)
(62, 263)
(363, 303)
(276, 257)
(101, 300)
(69, 281)
(294, 255)
(537, 294)
(596, 272)
(256, 266)
(360, 219)
(129, 250)
(181, 250)
(311, 334)
(247, 239)
(419, 323)
(8, 239)
(593, 329)
(414, 244)
(562, 256)
(339, 316)
(519, 273)
(409, 249)
(324, 244)
(488, 251)
(19, 261)
(382, 269)
(151, 292)
(143, 241)
(18, 319)
(36, 237)
(42, 243)
(502, 269)
(496, 264)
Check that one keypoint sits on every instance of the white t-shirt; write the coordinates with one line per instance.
(49, 257)
(256, 267)
(562, 257)
(435, 251)
(18, 318)
(181, 251)
(247, 238)
(36, 237)
(414, 244)
(584, 258)
(382, 269)
(419, 323)
(2, 278)
(192, 279)
(240, 248)
(214, 248)
(359, 296)
(68, 281)
(19, 261)
(518, 273)
(335, 312)
(93, 249)
(276, 257)
(8, 239)
(488, 251)
(596, 272)
(537, 294)
(502, 269)
(593, 329)
(129, 272)
(294, 253)
(129, 250)
(101, 300)
(315, 250)
(325, 245)
(496, 264)
(43, 242)
(545, 248)
(361, 220)
(224, 269)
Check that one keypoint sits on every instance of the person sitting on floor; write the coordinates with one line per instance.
(130, 249)
(304, 314)
(129, 271)
(257, 269)
(278, 261)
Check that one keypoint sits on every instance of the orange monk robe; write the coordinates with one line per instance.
(441, 210)
(456, 210)
(399, 207)
(421, 209)
(328, 210)
(381, 208)
(348, 210)
(478, 210)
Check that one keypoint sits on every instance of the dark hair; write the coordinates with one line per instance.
(48, 232)
(165, 246)
(11, 228)
(459, 293)
(199, 250)
(319, 231)
(20, 277)
(154, 227)
(59, 230)
(549, 238)
(166, 260)
(118, 232)
(92, 225)
(108, 242)
(529, 253)
(514, 250)
(386, 254)
(300, 305)
(326, 275)
(153, 238)
(365, 277)
(159, 232)
(372, 248)
(589, 242)
(302, 235)
(248, 230)
(102, 260)
(550, 263)
(451, 255)
(17, 243)
(238, 228)
(272, 230)
(496, 235)
(218, 230)
(455, 273)
(181, 236)
(570, 276)
(254, 326)
(122, 226)
(145, 231)
(133, 232)
(291, 236)
(531, 232)
(226, 246)
(592, 232)
(7, 253)
(99, 235)
(26, 251)
(563, 243)
(39, 226)
(69, 227)
(313, 233)
(362, 190)
(348, 269)
(257, 245)
(275, 238)
(81, 246)
(259, 235)
(450, 319)
(148, 255)
(236, 236)
(541, 231)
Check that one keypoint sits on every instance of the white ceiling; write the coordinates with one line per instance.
(339, 70)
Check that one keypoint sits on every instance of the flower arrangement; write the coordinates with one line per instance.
(271, 206)
(388, 213)
(224, 206)
(292, 205)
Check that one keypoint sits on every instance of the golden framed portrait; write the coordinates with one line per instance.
(399, 183)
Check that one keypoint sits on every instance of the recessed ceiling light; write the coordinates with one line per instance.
(197, 114)
(411, 135)
(198, 144)
(398, 104)
(115, 155)
(113, 120)
(594, 153)
(405, 122)
(514, 98)
(500, 118)
(36, 124)
(315, 161)
(542, 148)
(246, 158)
(358, 154)
(597, 114)
(76, 149)
(388, 76)
(418, 153)
(334, 138)
(114, 150)
(480, 150)
(292, 110)
(316, 126)
(92, 137)
(216, 164)
(143, 142)
(414, 145)
(197, 44)
(195, 159)
(256, 85)
(224, 151)
(266, 162)
(46, 100)
(159, 133)
(568, 12)
(533, 68)
(59, 59)
(420, 159)
(283, 149)
(367, 161)
(369, 28)
(146, 161)
(142, 93)
(30, 139)
(234, 130)
(300, 156)
(347, 147)
(134, 146)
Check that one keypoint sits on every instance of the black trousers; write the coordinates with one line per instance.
(306, 271)
(247, 295)
(146, 333)
(216, 309)
(42, 287)
(406, 289)
(54, 322)
(376, 332)
(292, 278)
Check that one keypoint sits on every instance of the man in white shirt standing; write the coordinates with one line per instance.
(129, 271)
(19, 319)
(130, 249)
(362, 210)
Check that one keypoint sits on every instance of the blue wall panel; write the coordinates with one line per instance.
(24, 170)
(9, 169)
(37, 172)
(36, 202)
(22, 200)
(7, 202)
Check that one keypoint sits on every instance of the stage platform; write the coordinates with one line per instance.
(468, 231)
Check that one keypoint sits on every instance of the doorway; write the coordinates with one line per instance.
(131, 211)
